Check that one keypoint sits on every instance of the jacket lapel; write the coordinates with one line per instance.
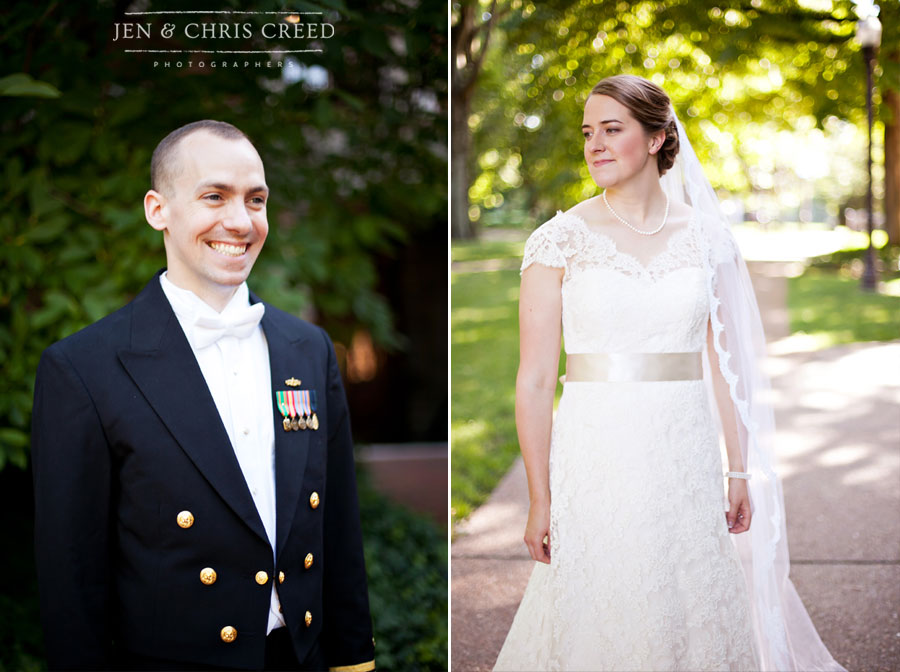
(287, 360)
(163, 366)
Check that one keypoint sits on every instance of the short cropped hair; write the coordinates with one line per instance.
(164, 165)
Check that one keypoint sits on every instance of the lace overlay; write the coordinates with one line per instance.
(644, 575)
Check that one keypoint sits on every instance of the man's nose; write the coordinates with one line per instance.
(238, 219)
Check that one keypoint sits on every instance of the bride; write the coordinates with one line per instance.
(641, 562)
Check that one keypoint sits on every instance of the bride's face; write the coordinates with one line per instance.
(616, 147)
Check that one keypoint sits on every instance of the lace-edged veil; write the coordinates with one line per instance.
(785, 635)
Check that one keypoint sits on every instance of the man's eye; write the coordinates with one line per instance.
(259, 200)
(213, 196)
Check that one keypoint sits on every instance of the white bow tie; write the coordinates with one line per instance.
(239, 323)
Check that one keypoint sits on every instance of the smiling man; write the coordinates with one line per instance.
(195, 496)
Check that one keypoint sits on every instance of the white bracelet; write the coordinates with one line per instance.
(738, 474)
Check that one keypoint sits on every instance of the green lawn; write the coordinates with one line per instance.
(826, 302)
(476, 250)
(484, 355)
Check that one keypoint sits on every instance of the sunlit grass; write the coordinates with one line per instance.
(477, 250)
(827, 305)
(832, 308)
(484, 356)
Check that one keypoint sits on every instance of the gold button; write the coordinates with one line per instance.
(185, 519)
(314, 500)
(228, 634)
(280, 577)
(261, 578)
(308, 619)
(307, 561)
(208, 576)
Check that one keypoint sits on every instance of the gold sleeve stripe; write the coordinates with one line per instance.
(360, 667)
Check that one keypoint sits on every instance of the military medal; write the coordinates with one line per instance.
(301, 408)
(295, 425)
(307, 410)
(297, 408)
(311, 401)
(281, 398)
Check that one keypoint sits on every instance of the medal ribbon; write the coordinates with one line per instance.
(304, 397)
(282, 403)
(290, 400)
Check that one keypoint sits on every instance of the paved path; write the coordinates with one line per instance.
(839, 457)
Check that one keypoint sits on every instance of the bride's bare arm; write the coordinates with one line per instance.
(738, 516)
(540, 311)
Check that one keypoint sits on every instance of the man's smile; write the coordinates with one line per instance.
(229, 249)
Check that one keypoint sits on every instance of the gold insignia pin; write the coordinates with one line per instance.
(292, 382)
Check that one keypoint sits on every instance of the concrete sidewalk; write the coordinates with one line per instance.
(838, 443)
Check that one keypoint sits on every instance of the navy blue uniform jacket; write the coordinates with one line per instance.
(125, 436)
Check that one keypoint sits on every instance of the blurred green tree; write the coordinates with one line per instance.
(726, 64)
(353, 139)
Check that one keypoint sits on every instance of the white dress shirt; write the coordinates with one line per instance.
(237, 374)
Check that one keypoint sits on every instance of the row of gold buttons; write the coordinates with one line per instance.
(185, 518)
(208, 575)
(229, 633)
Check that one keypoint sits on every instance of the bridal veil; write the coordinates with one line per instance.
(785, 635)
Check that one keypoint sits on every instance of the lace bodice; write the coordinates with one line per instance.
(612, 301)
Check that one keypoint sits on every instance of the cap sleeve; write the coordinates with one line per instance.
(544, 246)
(723, 247)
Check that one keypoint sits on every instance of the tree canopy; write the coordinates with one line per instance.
(730, 67)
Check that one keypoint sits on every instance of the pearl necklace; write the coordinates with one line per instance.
(643, 233)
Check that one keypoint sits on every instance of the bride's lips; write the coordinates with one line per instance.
(602, 162)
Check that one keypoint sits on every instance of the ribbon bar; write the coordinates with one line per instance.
(623, 367)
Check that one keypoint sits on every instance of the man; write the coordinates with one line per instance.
(195, 495)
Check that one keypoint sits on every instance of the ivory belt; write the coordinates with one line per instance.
(632, 366)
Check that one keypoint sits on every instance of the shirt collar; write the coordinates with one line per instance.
(188, 306)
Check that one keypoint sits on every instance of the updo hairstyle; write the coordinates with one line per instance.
(650, 105)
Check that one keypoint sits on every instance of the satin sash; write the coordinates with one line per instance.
(623, 367)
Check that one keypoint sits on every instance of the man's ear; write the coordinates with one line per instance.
(154, 206)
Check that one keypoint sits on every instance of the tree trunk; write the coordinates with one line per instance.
(892, 167)
(460, 225)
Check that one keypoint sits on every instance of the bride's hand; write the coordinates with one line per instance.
(536, 529)
(738, 516)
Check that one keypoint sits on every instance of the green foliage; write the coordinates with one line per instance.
(355, 168)
(21, 84)
(729, 67)
(406, 564)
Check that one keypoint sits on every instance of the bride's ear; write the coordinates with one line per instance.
(656, 141)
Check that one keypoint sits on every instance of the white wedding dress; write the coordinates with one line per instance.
(643, 572)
